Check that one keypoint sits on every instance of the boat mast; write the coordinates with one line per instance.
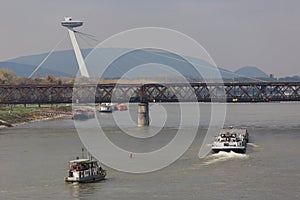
(82, 152)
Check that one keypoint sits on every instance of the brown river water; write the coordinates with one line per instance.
(34, 159)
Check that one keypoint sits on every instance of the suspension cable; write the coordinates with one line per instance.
(44, 60)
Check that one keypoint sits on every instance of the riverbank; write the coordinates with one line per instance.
(18, 114)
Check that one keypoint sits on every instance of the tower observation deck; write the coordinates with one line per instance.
(69, 23)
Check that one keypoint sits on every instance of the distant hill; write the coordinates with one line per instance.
(251, 71)
(60, 62)
(24, 70)
(63, 63)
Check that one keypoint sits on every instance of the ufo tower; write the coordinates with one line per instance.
(70, 25)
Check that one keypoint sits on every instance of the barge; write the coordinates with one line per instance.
(231, 139)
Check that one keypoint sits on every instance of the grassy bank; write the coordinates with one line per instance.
(13, 114)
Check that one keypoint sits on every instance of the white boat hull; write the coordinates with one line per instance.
(228, 149)
(88, 179)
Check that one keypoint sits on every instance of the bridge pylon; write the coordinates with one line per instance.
(143, 108)
(70, 25)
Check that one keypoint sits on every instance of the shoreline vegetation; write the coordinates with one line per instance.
(14, 115)
(7, 77)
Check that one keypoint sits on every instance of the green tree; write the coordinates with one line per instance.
(7, 76)
(50, 78)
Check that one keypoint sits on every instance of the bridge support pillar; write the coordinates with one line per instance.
(143, 114)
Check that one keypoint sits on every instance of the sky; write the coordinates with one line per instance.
(236, 33)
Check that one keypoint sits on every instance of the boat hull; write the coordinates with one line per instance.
(236, 150)
(81, 116)
(88, 179)
(105, 111)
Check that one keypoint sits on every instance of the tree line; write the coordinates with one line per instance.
(7, 77)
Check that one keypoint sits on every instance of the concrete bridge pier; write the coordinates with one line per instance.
(143, 108)
(143, 114)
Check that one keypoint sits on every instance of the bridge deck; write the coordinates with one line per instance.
(202, 92)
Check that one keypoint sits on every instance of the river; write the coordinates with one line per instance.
(34, 159)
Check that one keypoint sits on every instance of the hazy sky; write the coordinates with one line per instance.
(236, 33)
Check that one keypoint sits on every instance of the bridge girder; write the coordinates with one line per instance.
(202, 92)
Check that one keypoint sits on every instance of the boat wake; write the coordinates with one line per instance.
(224, 156)
(252, 145)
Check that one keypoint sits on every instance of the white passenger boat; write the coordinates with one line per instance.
(106, 107)
(85, 171)
(231, 139)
